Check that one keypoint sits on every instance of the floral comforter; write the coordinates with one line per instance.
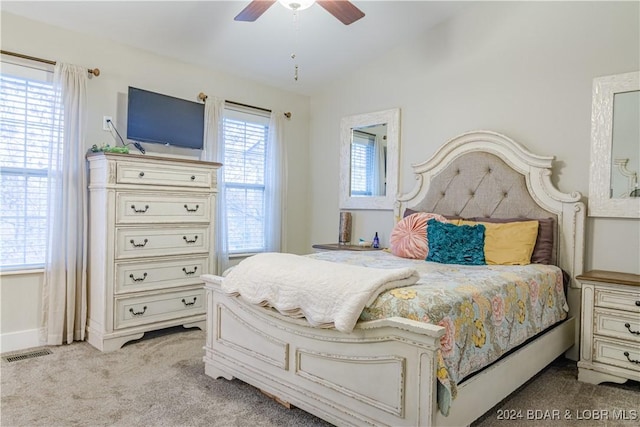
(485, 310)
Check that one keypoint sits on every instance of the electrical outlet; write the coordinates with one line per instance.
(105, 123)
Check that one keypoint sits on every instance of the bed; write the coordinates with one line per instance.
(387, 370)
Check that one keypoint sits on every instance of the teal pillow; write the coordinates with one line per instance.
(455, 244)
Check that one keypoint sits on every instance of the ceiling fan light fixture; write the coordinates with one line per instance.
(297, 4)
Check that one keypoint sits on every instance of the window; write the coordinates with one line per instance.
(28, 124)
(362, 164)
(245, 133)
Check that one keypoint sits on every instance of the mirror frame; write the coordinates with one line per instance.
(392, 119)
(600, 203)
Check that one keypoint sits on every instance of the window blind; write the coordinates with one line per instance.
(245, 133)
(362, 164)
(28, 124)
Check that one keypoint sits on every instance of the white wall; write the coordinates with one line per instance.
(120, 67)
(524, 69)
(20, 310)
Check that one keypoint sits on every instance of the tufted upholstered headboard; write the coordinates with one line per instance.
(486, 174)
(480, 184)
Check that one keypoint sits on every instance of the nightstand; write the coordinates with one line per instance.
(610, 327)
(341, 247)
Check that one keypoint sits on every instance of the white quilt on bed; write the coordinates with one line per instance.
(327, 294)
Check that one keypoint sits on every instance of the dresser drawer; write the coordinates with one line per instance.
(169, 175)
(617, 324)
(627, 300)
(161, 274)
(157, 307)
(158, 241)
(617, 353)
(136, 208)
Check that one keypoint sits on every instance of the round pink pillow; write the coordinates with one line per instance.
(409, 236)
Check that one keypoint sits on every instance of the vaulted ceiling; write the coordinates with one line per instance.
(205, 33)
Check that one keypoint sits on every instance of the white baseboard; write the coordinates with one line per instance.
(13, 341)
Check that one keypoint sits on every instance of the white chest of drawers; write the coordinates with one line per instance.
(151, 236)
(610, 331)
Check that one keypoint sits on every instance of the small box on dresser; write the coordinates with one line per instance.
(610, 331)
(151, 236)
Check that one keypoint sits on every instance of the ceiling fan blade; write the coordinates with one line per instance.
(254, 10)
(344, 10)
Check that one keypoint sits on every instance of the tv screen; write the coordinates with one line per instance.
(163, 119)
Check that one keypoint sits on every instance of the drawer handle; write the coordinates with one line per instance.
(189, 303)
(189, 273)
(146, 207)
(141, 174)
(638, 303)
(628, 326)
(138, 245)
(138, 313)
(190, 241)
(637, 362)
(191, 210)
(193, 177)
(138, 279)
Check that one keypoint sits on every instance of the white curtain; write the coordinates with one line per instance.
(65, 281)
(214, 152)
(275, 185)
(379, 168)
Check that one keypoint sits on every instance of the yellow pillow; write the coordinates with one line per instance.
(508, 243)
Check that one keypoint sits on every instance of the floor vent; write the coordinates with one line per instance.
(26, 355)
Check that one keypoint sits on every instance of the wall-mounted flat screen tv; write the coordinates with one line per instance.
(163, 119)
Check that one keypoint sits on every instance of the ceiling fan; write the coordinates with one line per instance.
(343, 10)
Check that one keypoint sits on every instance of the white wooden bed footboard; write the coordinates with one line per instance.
(383, 373)
(390, 380)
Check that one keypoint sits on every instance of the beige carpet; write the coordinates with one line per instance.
(160, 381)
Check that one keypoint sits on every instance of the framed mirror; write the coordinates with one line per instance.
(615, 147)
(369, 153)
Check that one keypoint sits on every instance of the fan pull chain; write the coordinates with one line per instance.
(296, 30)
(296, 21)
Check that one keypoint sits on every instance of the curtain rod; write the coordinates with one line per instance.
(203, 97)
(95, 71)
